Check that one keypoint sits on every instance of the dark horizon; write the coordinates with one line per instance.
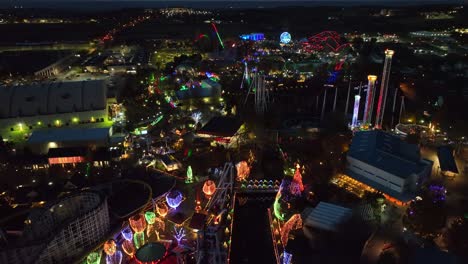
(117, 4)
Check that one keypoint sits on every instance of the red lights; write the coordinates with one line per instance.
(65, 160)
(325, 39)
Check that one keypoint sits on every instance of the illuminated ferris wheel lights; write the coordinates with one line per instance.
(285, 38)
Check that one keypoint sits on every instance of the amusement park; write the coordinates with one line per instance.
(178, 137)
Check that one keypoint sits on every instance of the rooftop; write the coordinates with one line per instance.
(52, 98)
(221, 126)
(327, 216)
(69, 134)
(387, 152)
(446, 159)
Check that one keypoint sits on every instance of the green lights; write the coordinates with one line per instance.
(150, 217)
(189, 178)
(75, 120)
(39, 123)
(57, 122)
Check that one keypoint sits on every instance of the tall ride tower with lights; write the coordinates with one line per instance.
(384, 88)
(354, 122)
(369, 100)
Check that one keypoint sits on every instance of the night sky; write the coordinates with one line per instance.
(319, 1)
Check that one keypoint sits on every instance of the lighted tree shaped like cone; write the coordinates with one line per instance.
(243, 170)
(189, 178)
(127, 244)
(138, 224)
(94, 258)
(113, 256)
(296, 186)
(162, 209)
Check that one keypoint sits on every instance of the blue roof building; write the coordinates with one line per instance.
(387, 163)
(41, 141)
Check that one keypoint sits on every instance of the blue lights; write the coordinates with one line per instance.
(253, 36)
(174, 199)
(127, 234)
(285, 38)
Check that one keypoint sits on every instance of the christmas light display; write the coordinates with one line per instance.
(137, 223)
(110, 247)
(296, 187)
(150, 219)
(128, 248)
(94, 258)
(196, 116)
(162, 209)
(127, 234)
(174, 199)
(295, 222)
(324, 40)
(116, 258)
(189, 178)
(287, 258)
(209, 187)
(243, 170)
(179, 234)
(289, 190)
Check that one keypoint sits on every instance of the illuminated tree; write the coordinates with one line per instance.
(427, 214)
(243, 170)
(288, 193)
(296, 186)
(189, 178)
(196, 116)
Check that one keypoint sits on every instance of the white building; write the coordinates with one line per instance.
(387, 163)
(52, 104)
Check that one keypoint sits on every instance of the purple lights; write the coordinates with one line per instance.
(127, 234)
(357, 99)
(174, 199)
